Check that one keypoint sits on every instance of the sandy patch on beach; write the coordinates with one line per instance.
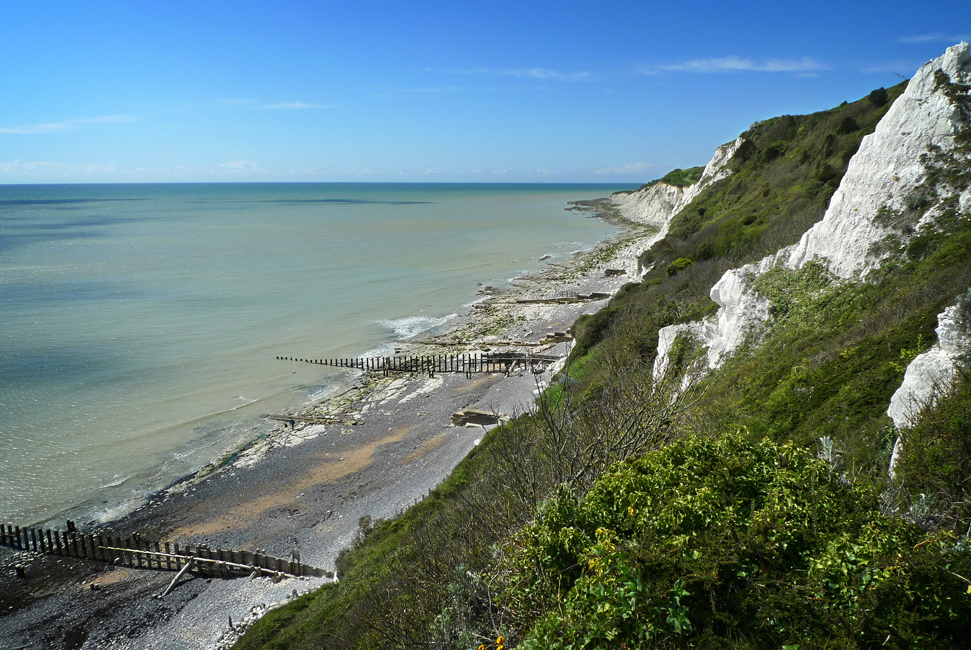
(424, 448)
(333, 467)
(484, 382)
(110, 578)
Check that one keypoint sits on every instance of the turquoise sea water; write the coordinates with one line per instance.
(139, 324)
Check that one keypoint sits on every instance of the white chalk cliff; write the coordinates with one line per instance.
(884, 172)
(657, 204)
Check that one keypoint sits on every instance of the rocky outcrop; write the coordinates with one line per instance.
(930, 374)
(883, 173)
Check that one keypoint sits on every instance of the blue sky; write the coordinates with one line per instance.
(427, 91)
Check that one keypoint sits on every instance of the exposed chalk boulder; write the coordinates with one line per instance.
(930, 374)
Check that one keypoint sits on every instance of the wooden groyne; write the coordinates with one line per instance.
(141, 554)
(430, 364)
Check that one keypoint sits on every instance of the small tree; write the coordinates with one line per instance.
(878, 97)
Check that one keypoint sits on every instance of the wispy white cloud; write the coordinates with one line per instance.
(68, 125)
(546, 73)
(292, 106)
(527, 73)
(895, 67)
(256, 104)
(241, 166)
(640, 168)
(51, 169)
(744, 64)
(937, 37)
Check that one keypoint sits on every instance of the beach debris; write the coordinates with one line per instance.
(308, 419)
(476, 417)
(612, 273)
(564, 300)
(182, 571)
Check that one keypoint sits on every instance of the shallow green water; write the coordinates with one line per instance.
(139, 324)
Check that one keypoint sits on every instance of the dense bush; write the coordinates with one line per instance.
(728, 543)
(878, 97)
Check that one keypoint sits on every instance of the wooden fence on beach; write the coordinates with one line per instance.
(140, 553)
(431, 364)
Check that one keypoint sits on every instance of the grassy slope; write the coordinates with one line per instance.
(829, 362)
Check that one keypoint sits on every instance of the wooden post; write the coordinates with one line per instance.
(188, 565)
(203, 552)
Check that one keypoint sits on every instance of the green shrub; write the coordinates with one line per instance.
(848, 125)
(678, 265)
(773, 151)
(878, 97)
(709, 542)
(917, 199)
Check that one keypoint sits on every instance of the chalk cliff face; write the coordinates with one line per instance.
(657, 204)
(883, 173)
(886, 170)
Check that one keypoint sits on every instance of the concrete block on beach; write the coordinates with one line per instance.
(475, 416)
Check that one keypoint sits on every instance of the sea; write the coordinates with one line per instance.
(140, 325)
